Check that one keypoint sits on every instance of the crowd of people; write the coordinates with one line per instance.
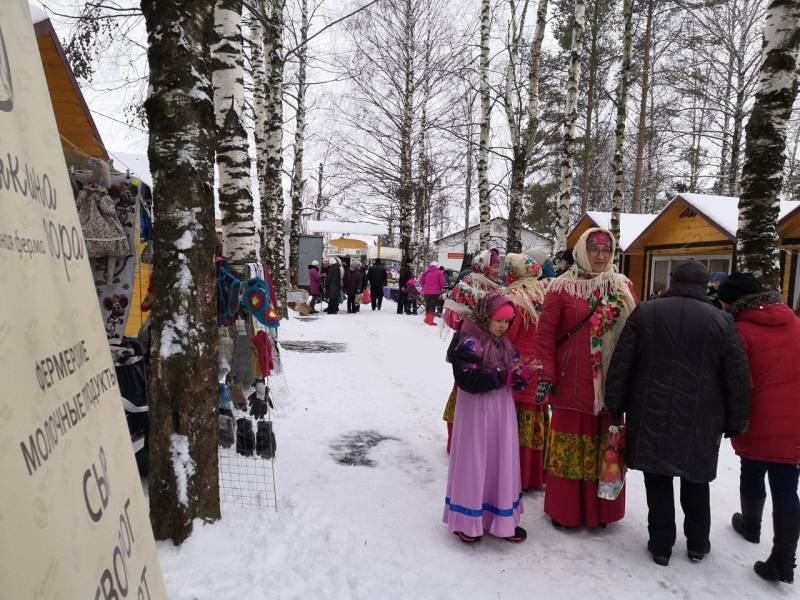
(354, 283)
(553, 362)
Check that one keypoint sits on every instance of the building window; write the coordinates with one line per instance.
(662, 266)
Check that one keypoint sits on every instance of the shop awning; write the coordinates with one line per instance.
(347, 244)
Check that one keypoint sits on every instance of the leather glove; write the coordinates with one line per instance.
(544, 388)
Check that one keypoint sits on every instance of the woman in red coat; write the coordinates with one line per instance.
(521, 275)
(770, 334)
(585, 310)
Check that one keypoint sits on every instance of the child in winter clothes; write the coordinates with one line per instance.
(411, 296)
(484, 491)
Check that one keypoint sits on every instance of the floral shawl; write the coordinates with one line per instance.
(521, 275)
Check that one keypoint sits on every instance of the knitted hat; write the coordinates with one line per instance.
(717, 276)
(504, 312)
(738, 285)
(314, 263)
(434, 264)
(691, 272)
(256, 299)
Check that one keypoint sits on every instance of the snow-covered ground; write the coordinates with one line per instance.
(375, 532)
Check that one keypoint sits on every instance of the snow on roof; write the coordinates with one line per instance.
(724, 210)
(787, 208)
(137, 164)
(347, 227)
(631, 225)
(37, 13)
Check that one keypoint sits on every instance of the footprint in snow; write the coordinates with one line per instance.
(352, 448)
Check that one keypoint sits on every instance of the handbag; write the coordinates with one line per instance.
(366, 297)
(612, 466)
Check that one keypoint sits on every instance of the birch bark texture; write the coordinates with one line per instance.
(641, 134)
(240, 244)
(406, 186)
(484, 199)
(184, 475)
(622, 115)
(765, 145)
(567, 166)
(522, 117)
(273, 225)
(298, 179)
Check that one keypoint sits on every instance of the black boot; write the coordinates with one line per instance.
(748, 522)
(781, 562)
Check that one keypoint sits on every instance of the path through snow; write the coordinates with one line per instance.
(372, 529)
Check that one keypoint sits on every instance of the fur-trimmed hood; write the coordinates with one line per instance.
(765, 308)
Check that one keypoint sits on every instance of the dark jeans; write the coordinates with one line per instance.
(695, 502)
(430, 302)
(411, 307)
(312, 301)
(402, 298)
(783, 480)
(377, 297)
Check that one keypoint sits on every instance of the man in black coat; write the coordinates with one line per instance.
(333, 285)
(680, 375)
(377, 277)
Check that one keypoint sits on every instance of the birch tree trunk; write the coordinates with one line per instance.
(569, 126)
(638, 169)
(522, 142)
(405, 191)
(738, 111)
(622, 115)
(273, 39)
(260, 93)
(298, 182)
(764, 157)
(484, 199)
(588, 150)
(722, 184)
(233, 157)
(184, 477)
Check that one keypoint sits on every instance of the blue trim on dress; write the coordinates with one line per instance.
(477, 512)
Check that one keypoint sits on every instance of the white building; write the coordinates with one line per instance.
(450, 248)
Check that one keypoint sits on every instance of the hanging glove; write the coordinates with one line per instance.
(542, 390)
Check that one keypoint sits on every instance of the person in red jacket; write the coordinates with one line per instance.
(770, 334)
(521, 275)
(585, 310)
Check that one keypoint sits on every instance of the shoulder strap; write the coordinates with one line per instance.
(578, 325)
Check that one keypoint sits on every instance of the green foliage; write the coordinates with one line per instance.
(539, 206)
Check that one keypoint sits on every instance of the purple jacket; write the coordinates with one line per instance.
(314, 287)
(432, 281)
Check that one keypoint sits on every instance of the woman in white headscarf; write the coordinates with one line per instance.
(585, 310)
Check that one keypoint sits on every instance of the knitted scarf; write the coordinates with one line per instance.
(609, 293)
(521, 275)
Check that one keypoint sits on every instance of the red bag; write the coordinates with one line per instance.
(612, 468)
(366, 297)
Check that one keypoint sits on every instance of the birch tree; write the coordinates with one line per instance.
(184, 483)
(233, 156)
(567, 167)
(522, 113)
(638, 169)
(622, 115)
(298, 181)
(484, 199)
(764, 157)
